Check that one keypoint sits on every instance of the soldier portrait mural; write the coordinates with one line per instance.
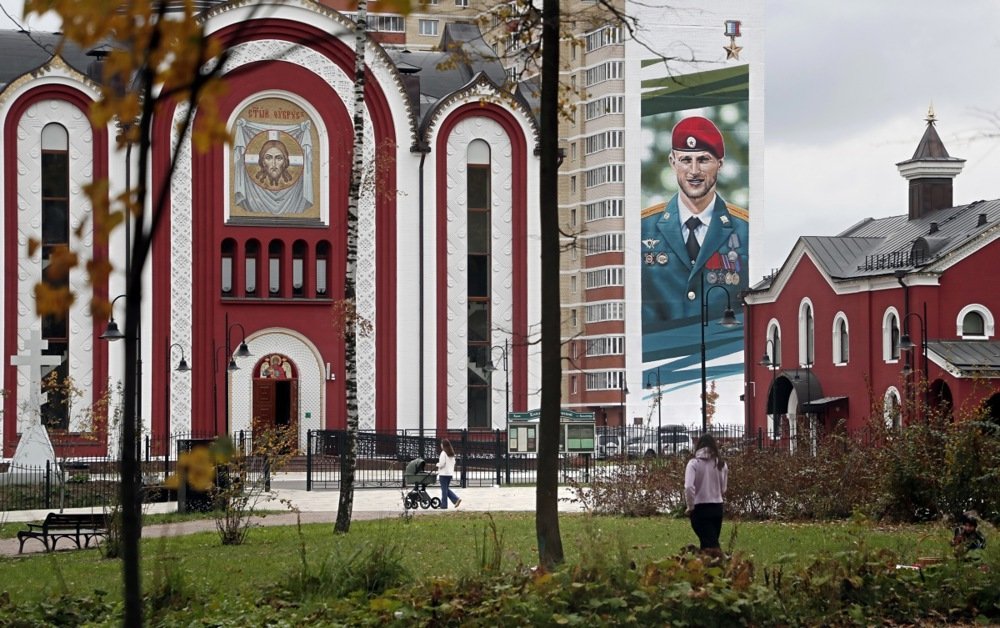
(274, 162)
(694, 224)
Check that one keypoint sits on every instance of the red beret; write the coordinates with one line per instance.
(697, 133)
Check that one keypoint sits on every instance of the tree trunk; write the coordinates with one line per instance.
(550, 550)
(346, 505)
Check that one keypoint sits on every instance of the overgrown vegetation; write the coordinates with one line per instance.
(619, 571)
(926, 471)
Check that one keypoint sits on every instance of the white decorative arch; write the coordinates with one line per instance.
(841, 339)
(311, 370)
(982, 310)
(890, 343)
(892, 408)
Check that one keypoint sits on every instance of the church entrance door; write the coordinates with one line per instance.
(276, 401)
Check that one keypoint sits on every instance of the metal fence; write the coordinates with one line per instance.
(482, 459)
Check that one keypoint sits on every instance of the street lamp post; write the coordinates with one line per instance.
(232, 366)
(113, 334)
(772, 363)
(242, 352)
(624, 393)
(659, 408)
(906, 344)
(505, 365)
(182, 367)
(728, 320)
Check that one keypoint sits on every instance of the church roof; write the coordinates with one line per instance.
(968, 358)
(21, 52)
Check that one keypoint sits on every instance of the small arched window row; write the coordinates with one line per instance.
(274, 270)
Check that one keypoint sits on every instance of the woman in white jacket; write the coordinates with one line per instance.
(445, 471)
(705, 481)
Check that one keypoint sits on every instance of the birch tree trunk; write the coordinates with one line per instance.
(345, 506)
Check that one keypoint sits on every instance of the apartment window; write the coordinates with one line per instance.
(605, 243)
(605, 36)
(605, 380)
(572, 284)
(604, 277)
(606, 311)
(378, 23)
(608, 71)
(429, 27)
(603, 107)
(612, 173)
(55, 189)
(572, 185)
(604, 141)
(572, 217)
(461, 3)
(607, 345)
(609, 208)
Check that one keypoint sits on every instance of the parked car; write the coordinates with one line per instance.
(609, 445)
(673, 441)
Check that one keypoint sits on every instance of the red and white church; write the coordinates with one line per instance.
(253, 246)
(893, 319)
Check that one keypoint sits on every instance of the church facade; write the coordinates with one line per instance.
(251, 250)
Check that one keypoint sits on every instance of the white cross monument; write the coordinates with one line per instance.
(35, 447)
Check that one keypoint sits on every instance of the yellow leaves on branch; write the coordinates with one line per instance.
(52, 300)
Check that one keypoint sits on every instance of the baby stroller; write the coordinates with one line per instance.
(420, 479)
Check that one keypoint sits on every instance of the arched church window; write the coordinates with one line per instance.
(322, 264)
(226, 265)
(973, 325)
(841, 340)
(807, 334)
(275, 251)
(55, 235)
(479, 232)
(250, 267)
(299, 268)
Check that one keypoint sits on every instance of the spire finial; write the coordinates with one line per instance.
(931, 118)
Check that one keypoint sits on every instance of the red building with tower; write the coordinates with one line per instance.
(892, 319)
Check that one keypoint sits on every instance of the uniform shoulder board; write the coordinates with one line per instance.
(738, 212)
(653, 209)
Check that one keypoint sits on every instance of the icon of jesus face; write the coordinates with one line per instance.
(273, 163)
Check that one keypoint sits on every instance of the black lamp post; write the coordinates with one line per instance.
(232, 366)
(112, 334)
(659, 407)
(728, 320)
(624, 392)
(182, 367)
(491, 367)
(241, 352)
(906, 344)
(772, 363)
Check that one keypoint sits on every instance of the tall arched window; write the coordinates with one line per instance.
(841, 340)
(807, 333)
(275, 251)
(892, 409)
(773, 344)
(890, 335)
(55, 235)
(479, 219)
(227, 261)
(322, 264)
(251, 270)
(299, 249)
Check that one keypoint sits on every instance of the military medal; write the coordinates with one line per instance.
(662, 259)
(710, 277)
(647, 258)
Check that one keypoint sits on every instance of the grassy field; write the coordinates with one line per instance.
(441, 545)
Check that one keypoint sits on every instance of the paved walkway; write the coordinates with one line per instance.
(315, 507)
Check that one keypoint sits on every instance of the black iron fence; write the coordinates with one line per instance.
(482, 459)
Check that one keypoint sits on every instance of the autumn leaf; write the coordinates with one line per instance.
(52, 300)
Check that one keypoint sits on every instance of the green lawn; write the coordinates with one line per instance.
(446, 545)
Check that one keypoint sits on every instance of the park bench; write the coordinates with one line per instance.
(80, 528)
